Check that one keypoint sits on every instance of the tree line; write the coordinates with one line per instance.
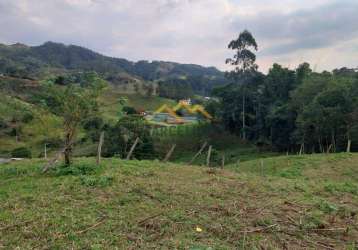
(294, 110)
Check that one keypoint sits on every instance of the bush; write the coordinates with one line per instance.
(27, 117)
(76, 169)
(12, 172)
(215, 158)
(129, 110)
(3, 124)
(121, 137)
(93, 128)
(21, 152)
(341, 187)
(96, 181)
(52, 142)
(327, 207)
(95, 123)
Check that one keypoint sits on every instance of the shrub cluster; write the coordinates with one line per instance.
(21, 152)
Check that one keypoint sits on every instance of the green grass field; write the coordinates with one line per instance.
(288, 202)
(110, 107)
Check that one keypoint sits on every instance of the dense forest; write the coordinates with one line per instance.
(293, 110)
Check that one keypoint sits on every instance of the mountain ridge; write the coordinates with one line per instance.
(16, 57)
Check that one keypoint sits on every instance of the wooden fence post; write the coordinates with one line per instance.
(99, 149)
(208, 157)
(238, 163)
(170, 152)
(349, 143)
(223, 161)
(199, 152)
(132, 148)
(45, 151)
(302, 149)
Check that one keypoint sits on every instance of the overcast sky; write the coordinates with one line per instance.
(322, 32)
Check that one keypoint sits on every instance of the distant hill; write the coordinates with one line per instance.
(145, 85)
(36, 62)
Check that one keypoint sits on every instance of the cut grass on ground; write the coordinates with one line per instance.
(292, 202)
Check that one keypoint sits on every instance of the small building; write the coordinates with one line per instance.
(182, 113)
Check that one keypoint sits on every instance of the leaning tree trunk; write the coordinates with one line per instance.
(320, 144)
(68, 148)
(302, 149)
(349, 142)
(68, 155)
(333, 141)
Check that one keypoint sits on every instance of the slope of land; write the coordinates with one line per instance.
(290, 202)
(110, 102)
(23, 124)
(56, 59)
(21, 109)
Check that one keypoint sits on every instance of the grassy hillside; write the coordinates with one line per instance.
(110, 106)
(292, 202)
(34, 125)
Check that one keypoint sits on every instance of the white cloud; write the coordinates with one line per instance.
(190, 31)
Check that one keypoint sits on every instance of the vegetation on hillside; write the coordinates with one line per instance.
(30, 115)
(23, 124)
(289, 110)
(51, 58)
